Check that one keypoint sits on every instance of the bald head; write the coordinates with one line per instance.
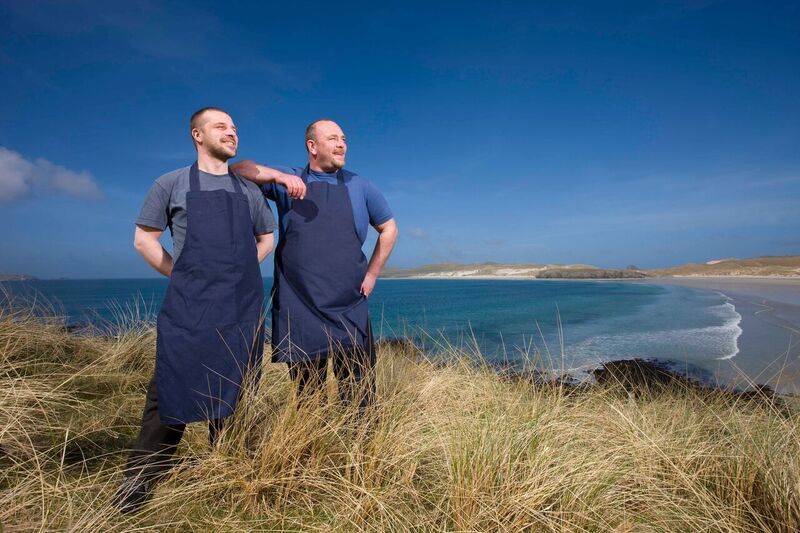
(311, 130)
(326, 145)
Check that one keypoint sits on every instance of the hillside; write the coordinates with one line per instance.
(786, 265)
(16, 277)
(768, 266)
(510, 270)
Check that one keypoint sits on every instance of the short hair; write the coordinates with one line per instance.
(311, 130)
(194, 121)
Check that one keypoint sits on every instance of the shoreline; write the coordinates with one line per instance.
(769, 342)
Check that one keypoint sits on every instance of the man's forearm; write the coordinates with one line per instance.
(264, 245)
(263, 175)
(156, 256)
(383, 248)
(255, 172)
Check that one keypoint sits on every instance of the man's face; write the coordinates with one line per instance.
(329, 146)
(216, 134)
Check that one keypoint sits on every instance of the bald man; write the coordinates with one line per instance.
(323, 280)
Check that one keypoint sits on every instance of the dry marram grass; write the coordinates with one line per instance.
(447, 447)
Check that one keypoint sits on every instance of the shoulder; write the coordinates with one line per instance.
(251, 188)
(359, 182)
(353, 178)
(297, 171)
(168, 180)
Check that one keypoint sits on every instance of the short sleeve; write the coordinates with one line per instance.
(155, 210)
(263, 220)
(269, 190)
(272, 190)
(377, 206)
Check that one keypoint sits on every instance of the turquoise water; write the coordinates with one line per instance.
(570, 324)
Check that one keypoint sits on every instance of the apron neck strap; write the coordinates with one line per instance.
(235, 180)
(194, 179)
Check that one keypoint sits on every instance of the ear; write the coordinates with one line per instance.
(197, 135)
(311, 146)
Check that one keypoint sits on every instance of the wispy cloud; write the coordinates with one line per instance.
(158, 33)
(417, 233)
(19, 176)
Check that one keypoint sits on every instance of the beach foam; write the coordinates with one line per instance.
(717, 341)
(727, 311)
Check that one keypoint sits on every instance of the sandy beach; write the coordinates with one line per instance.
(769, 346)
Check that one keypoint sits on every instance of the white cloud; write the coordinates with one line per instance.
(18, 176)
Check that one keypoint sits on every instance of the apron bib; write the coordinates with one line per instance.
(317, 305)
(209, 330)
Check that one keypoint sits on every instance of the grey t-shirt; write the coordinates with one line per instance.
(165, 204)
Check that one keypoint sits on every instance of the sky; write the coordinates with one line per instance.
(606, 133)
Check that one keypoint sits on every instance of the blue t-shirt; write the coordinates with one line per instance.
(369, 205)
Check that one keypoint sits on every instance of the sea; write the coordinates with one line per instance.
(564, 325)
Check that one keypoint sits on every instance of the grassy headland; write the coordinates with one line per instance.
(511, 270)
(771, 266)
(768, 266)
(449, 447)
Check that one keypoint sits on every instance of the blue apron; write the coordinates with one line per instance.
(209, 327)
(317, 305)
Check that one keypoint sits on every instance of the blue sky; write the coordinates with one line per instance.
(608, 133)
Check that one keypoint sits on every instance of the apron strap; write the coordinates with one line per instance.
(194, 179)
(235, 180)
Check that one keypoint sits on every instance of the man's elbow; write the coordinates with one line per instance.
(246, 169)
(265, 244)
(141, 239)
(391, 231)
(138, 243)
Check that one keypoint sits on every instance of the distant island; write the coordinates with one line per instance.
(16, 277)
(768, 266)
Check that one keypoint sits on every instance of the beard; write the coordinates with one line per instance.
(337, 164)
(221, 152)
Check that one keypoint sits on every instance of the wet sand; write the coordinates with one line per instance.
(769, 346)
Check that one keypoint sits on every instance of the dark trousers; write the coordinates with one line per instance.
(354, 370)
(152, 453)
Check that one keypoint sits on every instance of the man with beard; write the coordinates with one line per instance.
(209, 331)
(322, 278)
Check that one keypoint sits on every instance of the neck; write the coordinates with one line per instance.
(211, 164)
(313, 165)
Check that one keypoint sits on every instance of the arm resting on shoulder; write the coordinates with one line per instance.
(262, 175)
(145, 240)
(387, 235)
(264, 245)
